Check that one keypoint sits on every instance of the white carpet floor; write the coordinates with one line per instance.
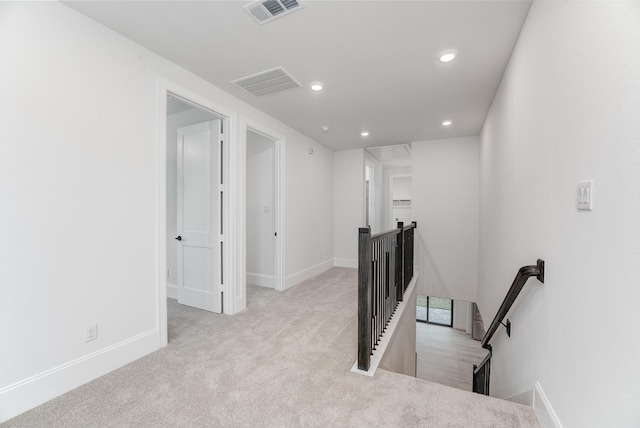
(284, 362)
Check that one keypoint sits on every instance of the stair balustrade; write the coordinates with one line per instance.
(385, 269)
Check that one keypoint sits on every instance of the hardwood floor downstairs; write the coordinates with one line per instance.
(446, 355)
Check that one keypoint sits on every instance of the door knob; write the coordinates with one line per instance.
(179, 238)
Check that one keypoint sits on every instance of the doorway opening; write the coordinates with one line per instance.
(392, 186)
(261, 233)
(263, 209)
(209, 254)
(195, 198)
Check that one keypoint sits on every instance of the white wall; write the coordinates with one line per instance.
(260, 210)
(348, 202)
(308, 211)
(79, 178)
(175, 121)
(445, 205)
(567, 110)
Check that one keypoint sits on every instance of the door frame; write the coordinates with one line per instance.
(278, 190)
(165, 88)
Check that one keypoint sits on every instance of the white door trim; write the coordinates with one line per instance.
(165, 88)
(279, 198)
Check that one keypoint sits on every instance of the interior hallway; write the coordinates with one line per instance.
(284, 362)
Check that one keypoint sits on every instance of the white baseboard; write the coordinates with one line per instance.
(301, 276)
(172, 291)
(29, 393)
(261, 280)
(544, 411)
(347, 263)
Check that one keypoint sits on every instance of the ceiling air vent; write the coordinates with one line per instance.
(267, 82)
(268, 10)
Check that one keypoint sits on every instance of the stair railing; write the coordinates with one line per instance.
(481, 372)
(385, 269)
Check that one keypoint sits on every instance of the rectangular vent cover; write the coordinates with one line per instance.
(268, 10)
(267, 82)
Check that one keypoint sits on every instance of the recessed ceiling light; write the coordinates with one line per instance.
(316, 86)
(446, 123)
(364, 133)
(448, 56)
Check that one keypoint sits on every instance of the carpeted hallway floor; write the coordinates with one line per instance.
(284, 362)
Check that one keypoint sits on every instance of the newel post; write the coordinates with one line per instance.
(364, 298)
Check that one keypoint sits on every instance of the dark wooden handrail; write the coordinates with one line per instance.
(481, 372)
(521, 278)
(390, 232)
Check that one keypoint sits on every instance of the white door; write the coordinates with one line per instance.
(199, 219)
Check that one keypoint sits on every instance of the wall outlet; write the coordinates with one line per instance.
(90, 332)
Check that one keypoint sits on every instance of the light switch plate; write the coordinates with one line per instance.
(585, 195)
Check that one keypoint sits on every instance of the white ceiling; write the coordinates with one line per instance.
(377, 59)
